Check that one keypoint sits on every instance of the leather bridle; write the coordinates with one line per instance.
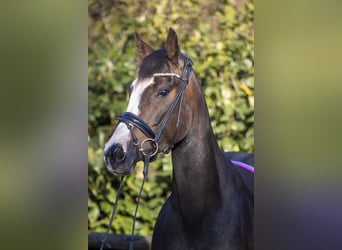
(131, 120)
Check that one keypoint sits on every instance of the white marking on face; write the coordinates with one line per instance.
(138, 89)
(122, 135)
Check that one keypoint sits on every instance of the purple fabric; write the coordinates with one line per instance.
(243, 165)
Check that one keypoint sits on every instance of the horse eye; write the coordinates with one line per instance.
(163, 92)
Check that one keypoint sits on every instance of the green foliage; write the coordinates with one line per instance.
(218, 36)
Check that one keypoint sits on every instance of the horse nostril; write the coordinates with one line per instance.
(118, 154)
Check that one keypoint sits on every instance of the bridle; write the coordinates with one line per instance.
(133, 121)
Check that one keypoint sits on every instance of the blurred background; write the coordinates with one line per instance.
(46, 129)
(218, 36)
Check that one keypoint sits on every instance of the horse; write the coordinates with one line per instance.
(212, 200)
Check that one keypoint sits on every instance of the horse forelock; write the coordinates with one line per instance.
(157, 62)
(153, 63)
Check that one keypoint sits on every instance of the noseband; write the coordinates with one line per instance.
(131, 120)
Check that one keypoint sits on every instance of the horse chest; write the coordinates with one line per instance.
(216, 231)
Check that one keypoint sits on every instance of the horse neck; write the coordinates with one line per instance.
(197, 163)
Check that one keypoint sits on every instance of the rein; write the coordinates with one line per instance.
(131, 120)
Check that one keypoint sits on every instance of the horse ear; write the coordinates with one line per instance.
(171, 46)
(144, 49)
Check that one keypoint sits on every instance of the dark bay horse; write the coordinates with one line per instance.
(212, 200)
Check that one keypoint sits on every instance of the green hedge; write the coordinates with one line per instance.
(218, 36)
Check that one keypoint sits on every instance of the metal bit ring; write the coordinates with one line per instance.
(154, 145)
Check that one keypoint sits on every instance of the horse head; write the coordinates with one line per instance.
(159, 114)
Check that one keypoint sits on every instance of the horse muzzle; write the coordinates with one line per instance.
(118, 161)
(115, 154)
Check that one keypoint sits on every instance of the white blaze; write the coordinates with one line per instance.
(138, 89)
(122, 135)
